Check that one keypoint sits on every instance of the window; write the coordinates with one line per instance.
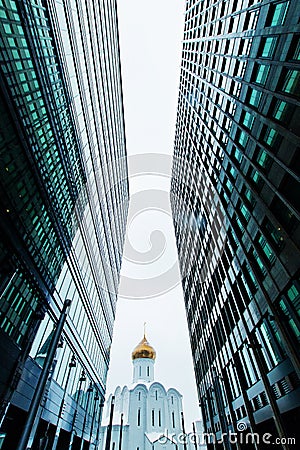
(238, 155)
(271, 137)
(249, 368)
(148, 371)
(244, 47)
(233, 172)
(267, 47)
(249, 196)
(229, 185)
(248, 120)
(260, 74)
(270, 346)
(255, 178)
(254, 97)
(268, 252)
(235, 88)
(280, 110)
(294, 296)
(239, 68)
(249, 277)
(293, 320)
(240, 225)
(242, 138)
(250, 20)
(294, 50)
(258, 263)
(159, 418)
(263, 159)
(290, 82)
(138, 417)
(274, 233)
(277, 14)
(173, 419)
(233, 381)
(245, 212)
(153, 417)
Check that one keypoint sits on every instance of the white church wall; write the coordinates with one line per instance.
(156, 408)
(137, 418)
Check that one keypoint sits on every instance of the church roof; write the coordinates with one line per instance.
(144, 350)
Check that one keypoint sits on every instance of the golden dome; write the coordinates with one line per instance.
(144, 350)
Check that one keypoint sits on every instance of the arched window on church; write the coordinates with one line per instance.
(139, 396)
(140, 371)
(173, 419)
(139, 418)
(148, 371)
(155, 395)
(159, 418)
(153, 417)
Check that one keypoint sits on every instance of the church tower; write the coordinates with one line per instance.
(143, 358)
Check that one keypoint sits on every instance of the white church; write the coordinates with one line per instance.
(143, 416)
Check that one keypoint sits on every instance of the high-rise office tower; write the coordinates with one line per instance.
(235, 200)
(64, 200)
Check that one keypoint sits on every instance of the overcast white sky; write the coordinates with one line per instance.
(151, 41)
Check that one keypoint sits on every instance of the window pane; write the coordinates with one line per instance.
(263, 159)
(259, 263)
(294, 296)
(277, 14)
(248, 120)
(291, 321)
(249, 196)
(280, 110)
(255, 97)
(245, 212)
(268, 47)
(261, 73)
(291, 81)
(269, 344)
(266, 249)
(294, 51)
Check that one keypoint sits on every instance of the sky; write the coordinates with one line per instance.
(150, 290)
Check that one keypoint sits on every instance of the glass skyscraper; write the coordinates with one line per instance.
(64, 201)
(235, 201)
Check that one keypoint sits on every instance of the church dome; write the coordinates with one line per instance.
(144, 350)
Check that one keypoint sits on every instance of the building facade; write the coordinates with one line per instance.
(64, 201)
(235, 201)
(143, 416)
